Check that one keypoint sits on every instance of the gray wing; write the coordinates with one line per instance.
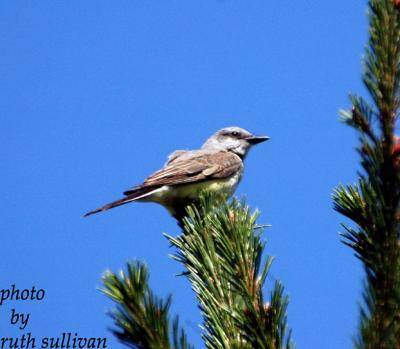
(193, 167)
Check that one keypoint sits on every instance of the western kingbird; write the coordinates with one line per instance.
(216, 167)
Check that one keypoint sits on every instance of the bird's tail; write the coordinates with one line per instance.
(113, 204)
(139, 193)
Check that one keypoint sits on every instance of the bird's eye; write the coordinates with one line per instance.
(235, 133)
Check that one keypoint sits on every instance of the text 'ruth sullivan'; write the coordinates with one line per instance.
(67, 340)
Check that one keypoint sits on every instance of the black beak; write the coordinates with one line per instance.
(257, 139)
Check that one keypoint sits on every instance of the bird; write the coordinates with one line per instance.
(216, 167)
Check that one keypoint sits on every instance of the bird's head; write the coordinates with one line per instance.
(234, 139)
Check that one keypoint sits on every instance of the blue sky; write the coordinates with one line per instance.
(95, 94)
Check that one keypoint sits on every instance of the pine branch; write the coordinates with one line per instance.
(373, 203)
(221, 250)
(141, 318)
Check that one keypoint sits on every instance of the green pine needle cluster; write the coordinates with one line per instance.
(373, 203)
(221, 250)
(141, 318)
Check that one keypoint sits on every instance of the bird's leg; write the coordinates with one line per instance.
(179, 210)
